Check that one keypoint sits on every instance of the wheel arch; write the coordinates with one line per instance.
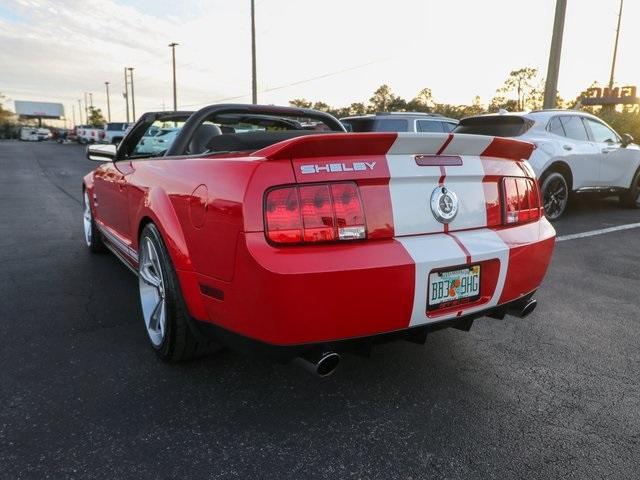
(562, 168)
(156, 208)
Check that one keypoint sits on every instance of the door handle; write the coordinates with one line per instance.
(605, 150)
(567, 147)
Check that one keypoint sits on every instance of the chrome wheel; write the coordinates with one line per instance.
(555, 196)
(87, 220)
(152, 292)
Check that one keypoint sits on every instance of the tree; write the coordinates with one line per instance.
(323, 107)
(382, 99)
(95, 117)
(4, 114)
(300, 103)
(522, 83)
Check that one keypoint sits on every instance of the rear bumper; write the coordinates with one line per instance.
(359, 345)
(322, 294)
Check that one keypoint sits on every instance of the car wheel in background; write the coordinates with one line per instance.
(92, 236)
(163, 309)
(631, 199)
(555, 194)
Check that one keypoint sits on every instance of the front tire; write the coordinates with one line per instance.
(555, 195)
(631, 199)
(163, 309)
(92, 236)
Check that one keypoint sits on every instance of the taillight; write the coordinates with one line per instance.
(521, 200)
(314, 213)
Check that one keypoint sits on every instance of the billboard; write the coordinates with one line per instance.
(39, 109)
(611, 96)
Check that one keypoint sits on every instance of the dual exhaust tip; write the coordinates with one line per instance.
(323, 363)
(525, 309)
(319, 362)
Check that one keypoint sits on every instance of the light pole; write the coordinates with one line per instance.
(254, 82)
(615, 48)
(80, 111)
(126, 92)
(553, 70)
(133, 95)
(106, 84)
(173, 46)
(86, 108)
(73, 112)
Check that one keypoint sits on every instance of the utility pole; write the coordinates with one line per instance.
(133, 95)
(91, 100)
(106, 84)
(615, 48)
(73, 112)
(553, 70)
(86, 108)
(173, 59)
(254, 82)
(126, 92)
(80, 111)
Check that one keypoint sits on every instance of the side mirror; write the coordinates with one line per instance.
(101, 153)
(626, 140)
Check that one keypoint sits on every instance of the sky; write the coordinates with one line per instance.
(335, 51)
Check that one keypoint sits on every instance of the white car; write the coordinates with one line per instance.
(44, 134)
(159, 142)
(576, 152)
(28, 134)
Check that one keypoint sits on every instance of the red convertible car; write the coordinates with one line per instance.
(272, 230)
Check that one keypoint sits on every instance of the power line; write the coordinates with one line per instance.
(288, 85)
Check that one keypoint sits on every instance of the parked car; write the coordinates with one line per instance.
(43, 134)
(158, 142)
(399, 122)
(114, 132)
(29, 134)
(301, 245)
(576, 152)
(89, 134)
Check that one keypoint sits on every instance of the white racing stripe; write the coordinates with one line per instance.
(593, 233)
(430, 252)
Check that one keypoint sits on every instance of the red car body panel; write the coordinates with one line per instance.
(210, 212)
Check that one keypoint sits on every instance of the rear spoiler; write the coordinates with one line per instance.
(368, 144)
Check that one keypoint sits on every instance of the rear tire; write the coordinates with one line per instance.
(163, 309)
(555, 195)
(631, 199)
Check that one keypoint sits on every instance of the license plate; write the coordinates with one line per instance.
(454, 286)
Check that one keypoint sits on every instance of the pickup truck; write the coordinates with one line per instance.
(89, 134)
(114, 132)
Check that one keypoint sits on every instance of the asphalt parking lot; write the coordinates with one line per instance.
(556, 395)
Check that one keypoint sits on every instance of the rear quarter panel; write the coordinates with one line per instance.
(201, 206)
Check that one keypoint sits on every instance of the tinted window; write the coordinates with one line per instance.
(555, 126)
(391, 125)
(494, 125)
(372, 124)
(574, 128)
(359, 124)
(600, 132)
(116, 126)
(430, 126)
(448, 126)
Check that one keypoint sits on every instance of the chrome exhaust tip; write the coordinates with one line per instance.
(524, 309)
(319, 362)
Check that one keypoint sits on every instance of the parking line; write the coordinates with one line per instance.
(593, 233)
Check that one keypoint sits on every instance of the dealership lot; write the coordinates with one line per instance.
(83, 396)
